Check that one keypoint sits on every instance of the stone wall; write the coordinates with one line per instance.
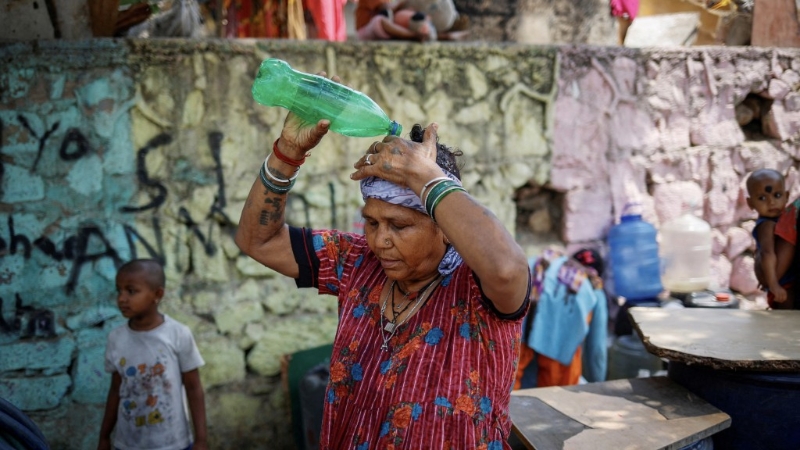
(113, 149)
(673, 129)
(117, 149)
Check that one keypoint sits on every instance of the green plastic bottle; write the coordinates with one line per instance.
(314, 98)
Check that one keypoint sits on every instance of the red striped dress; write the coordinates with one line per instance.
(446, 379)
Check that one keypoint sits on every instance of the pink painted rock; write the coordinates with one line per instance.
(719, 242)
(670, 198)
(724, 190)
(777, 89)
(757, 301)
(779, 123)
(674, 131)
(720, 272)
(792, 178)
(688, 164)
(587, 214)
(790, 77)
(579, 153)
(743, 276)
(739, 241)
(792, 102)
(753, 155)
(632, 129)
(748, 226)
(629, 186)
(716, 123)
(624, 71)
(743, 210)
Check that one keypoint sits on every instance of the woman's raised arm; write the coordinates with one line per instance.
(263, 234)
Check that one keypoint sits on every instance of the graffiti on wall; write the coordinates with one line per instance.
(90, 242)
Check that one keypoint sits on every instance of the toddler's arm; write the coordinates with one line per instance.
(197, 406)
(110, 415)
(769, 260)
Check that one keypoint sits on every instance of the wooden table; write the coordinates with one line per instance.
(639, 413)
(746, 363)
(728, 339)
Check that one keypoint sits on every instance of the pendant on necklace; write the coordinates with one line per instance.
(385, 346)
(389, 327)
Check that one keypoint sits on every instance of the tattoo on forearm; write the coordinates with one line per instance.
(387, 166)
(273, 214)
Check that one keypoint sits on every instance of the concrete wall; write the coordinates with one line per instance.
(112, 149)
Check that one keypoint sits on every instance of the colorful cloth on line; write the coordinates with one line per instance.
(445, 381)
(572, 273)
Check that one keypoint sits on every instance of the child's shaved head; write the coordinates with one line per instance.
(149, 269)
(761, 175)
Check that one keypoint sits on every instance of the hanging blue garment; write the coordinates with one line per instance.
(560, 323)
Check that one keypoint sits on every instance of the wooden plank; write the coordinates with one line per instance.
(640, 413)
(727, 339)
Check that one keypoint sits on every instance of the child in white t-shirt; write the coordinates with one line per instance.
(152, 358)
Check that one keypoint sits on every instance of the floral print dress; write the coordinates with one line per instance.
(445, 380)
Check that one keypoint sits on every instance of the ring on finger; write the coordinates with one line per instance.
(366, 159)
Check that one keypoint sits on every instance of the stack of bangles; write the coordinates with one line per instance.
(437, 189)
(269, 180)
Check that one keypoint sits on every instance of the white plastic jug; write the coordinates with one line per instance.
(685, 253)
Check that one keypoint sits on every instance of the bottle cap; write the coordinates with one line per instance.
(632, 209)
(395, 129)
(723, 296)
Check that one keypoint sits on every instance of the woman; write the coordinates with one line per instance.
(430, 311)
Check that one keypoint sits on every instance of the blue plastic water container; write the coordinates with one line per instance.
(635, 263)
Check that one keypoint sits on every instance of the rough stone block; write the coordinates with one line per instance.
(233, 318)
(628, 179)
(739, 241)
(716, 124)
(719, 241)
(34, 393)
(627, 118)
(723, 192)
(777, 90)
(670, 199)
(88, 371)
(51, 354)
(674, 131)
(20, 185)
(288, 336)
(588, 214)
(792, 102)
(91, 317)
(721, 269)
(225, 362)
(780, 123)
(249, 267)
(579, 153)
(743, 276)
